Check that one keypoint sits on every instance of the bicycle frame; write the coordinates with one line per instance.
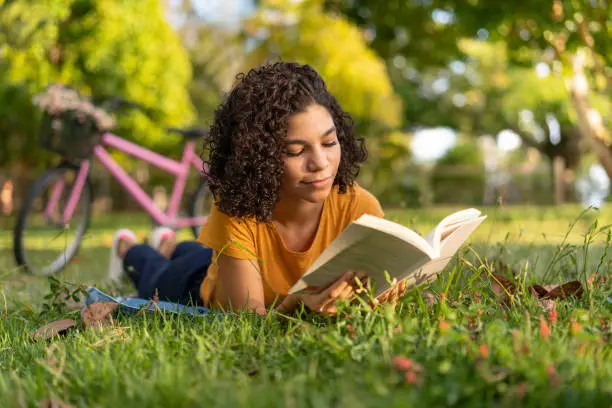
(180, 169)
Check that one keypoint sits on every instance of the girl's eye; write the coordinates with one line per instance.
(294, 154)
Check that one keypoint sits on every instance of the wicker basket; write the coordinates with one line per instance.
(68, 135)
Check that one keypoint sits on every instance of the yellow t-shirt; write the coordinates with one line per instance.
(260, 242)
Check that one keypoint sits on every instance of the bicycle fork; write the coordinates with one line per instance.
(75, 194)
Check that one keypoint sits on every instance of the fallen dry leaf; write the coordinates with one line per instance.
(52, 329)
(503, 288)
(538, 291)
(98, 314)
(48, 403)
(573, 288)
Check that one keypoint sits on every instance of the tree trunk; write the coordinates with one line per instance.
(589, 120)
(558, 173)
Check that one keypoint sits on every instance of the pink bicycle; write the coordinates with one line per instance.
(58, 206)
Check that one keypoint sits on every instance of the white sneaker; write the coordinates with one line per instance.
(159, 234)
(115, 264)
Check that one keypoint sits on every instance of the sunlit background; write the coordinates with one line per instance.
(459, 103)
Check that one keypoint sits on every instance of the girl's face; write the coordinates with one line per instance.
(312, 155)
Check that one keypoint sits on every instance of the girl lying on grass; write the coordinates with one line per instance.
(282, 167)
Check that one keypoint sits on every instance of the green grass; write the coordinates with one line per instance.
(473, 352)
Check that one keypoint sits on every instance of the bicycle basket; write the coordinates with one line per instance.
(71, 136)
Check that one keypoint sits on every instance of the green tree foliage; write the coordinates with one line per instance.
(304, 32)
(572, 36)
(217, 55)
(101, 47)
(403, 28)
(542, 31)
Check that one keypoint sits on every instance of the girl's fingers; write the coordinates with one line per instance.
(330, 310)
(337, 290)
(348, 291)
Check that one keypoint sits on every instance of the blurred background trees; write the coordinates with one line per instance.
(461, 102)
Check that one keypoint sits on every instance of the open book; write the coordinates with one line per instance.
(377, 246)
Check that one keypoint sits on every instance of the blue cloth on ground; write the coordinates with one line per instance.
(133, 305)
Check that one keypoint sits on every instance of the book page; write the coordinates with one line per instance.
(373, 255)
(351, 235)
(427, 273)
(451, 244)
(397, 230)
(453, 237)
(448, 225)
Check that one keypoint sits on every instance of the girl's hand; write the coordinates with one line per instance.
(322, 300)
(393, 294)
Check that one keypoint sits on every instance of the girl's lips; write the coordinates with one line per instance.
(318, 183)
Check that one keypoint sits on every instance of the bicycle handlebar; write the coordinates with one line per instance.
(116, 102)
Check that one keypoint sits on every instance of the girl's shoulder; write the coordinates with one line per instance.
(232, 235)
(355, 202)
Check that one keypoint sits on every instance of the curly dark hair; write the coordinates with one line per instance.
(246, 144)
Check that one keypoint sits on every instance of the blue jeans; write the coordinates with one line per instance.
(177, 279)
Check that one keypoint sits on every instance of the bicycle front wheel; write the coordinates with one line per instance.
(44, 240)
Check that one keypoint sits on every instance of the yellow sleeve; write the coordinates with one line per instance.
(364, 202)
(228, 235)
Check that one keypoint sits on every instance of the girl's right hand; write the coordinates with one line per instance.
(322, 300)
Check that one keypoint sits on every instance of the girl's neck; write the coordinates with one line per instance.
(297, 213)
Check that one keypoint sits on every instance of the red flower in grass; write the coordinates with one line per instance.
(411, 377)
(552, 317)
(410, 368)
(544, 329)
(575, 327)
(483, 350)
(402, 363)
(444, 326)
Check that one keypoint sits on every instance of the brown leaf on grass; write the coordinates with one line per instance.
(573, 288)
(52, 329)
(48, 403)
(538, 291)
(503, 288)
(501, 284)
(98, 314)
